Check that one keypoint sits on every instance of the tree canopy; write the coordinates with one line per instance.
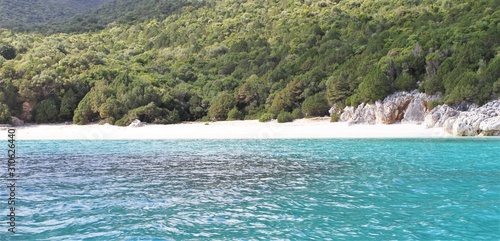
(168, 61)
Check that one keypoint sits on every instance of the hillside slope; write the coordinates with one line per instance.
(24, 14)
(240, 59)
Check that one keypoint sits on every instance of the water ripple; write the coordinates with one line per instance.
(256, 189)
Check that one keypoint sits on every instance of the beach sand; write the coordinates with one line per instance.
(249, 129)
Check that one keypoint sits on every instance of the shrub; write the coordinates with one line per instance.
(285, 116)
(234, 114)
(316, 105)
(375, 86)
(266, 117)
(7, 51)
(297, 114)
(221, 106)
(334, 118)
(69, 103)
(432, 104)
(5, 114)
(405, 82)
(46, 112)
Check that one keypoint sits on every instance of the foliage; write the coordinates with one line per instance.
(68, 104)
(266, 117)
(287, 98)
(46, 111)
(334, 117)
(251, 56)
(19, 13)
(7, 51)
(432, 104)
(297, 114)
(221, 106)
(316, 105)
(284, 116)
(234, 114)
(376, 86)
(5, 117)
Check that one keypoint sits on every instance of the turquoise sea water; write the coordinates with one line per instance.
(338, 189)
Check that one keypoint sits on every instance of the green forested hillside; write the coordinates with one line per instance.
(31, 14)
(240, 59)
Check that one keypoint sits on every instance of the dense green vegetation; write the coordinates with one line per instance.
(31, 14)
(218, 60)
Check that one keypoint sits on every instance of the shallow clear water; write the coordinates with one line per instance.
(339, 189)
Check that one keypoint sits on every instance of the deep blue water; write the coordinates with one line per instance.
(338, 189)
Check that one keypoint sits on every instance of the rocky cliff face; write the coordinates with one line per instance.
(408, 107)
(411, 107)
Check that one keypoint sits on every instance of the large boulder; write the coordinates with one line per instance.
(364, 114)
(416, 111)
(16, 121)
(438, 116)
(136, 123)
(347, 114)
(490, 126)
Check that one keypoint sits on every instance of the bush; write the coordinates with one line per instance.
(266, 117)
(7, 51)
(405, 82)
(316, 105)
(221, 106)
(69, 103)
(5, 114)
(297, 114)
(432, 104)
(334, 118)
(465, 90)
(46, 111)
(234, 114)
(285, 117)
(375, 86)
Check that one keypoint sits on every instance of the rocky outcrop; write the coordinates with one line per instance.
(364, 114)
(467, 119)
(408, 107)
(136, 123)
(464, 119)
(416, 111)
(16, 121)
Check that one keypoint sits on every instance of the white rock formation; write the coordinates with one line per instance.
(464, 119)
(484, 120)
(409, 107)
(136, 123)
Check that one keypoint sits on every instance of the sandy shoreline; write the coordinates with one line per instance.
(250, 129)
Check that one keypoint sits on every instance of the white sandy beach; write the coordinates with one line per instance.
(250, 129)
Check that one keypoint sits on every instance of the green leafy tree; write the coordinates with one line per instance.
(376, 86)
(297, 114)
(337, 89)
(221, 106)
(5, 117)
(7, 51)
(287, 98)
(266, 117)
(46, 111)
(69, 103)
(284, 116)
(465, 90)
(235, 114)
(316, 105)
(405, 82)
(83, 113)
